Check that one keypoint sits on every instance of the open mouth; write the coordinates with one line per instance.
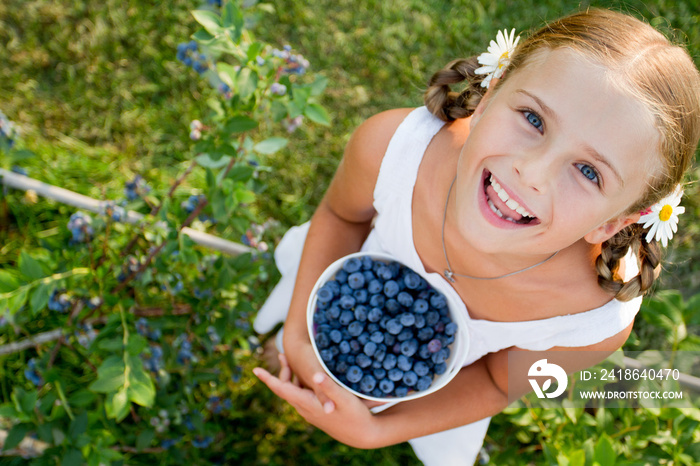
(507, 208)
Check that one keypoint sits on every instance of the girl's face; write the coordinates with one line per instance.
(557, 154)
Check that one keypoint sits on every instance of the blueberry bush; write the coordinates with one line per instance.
(122, 341)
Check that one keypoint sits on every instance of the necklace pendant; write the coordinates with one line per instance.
(449, 275)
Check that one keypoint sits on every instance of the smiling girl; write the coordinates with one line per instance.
(521, 201)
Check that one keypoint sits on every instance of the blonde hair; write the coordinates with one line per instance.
(645, 65)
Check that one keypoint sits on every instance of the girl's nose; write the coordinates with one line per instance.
(534, 169)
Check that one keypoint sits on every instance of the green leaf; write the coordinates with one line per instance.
(144, 439)
(78, 425)
(110, 375)
(73, 457)
(136, 344)
(8, 281)
(240, 173)
(319, 85)
(247, 83)
(317, 114)
(112, 344)
(202, 36)
(117, 406)
(209, 20)
(227, 73)
(16, 435)
(27, 401)
(140, 387)
(604, 452)
(232, 20)
(577, 458)
(30, 267)
(270, 146)
(40, 298)
(8, 410)
(240, 124)
(206, 161)
(16, 301)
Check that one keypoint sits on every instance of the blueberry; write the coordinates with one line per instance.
(425, 334)
(384, 273)
(379, 373)
(441, 356)
(409, 347)
(367, 263)
(404, 363)
(420, 321)
(389, 361)
(407, 319)
(374, 314)
(405, 299)
(346, 317)
(375, 286)
(377, 337)
(367, 383)
(361, 295)
(335, 336)
(440, 369)
(346, 290)
(438, 301)
(333, 312)
(394, 327)
(423, 383)
(363, 338)
(361, 313)
(324, 294)
(377, 300)
(341, 367)
(434, 345)
(432, 318)
(354, 374)
(450, 329)
(322, 340)
(347, 302)
(392, 306)
(326, 355)
(344, 347)
(386, 385)
(363, 360)
(355, 346)
(341, 277)
(420, 306)
(409, 378)
(421, 368)
(373, 327)
(355, 328)
(389, 339)
(395, 375)
(404, 335)
(356, 280)
(352, 265)
(369, 276)
(412, 280)
(391, 288)
(370, 348)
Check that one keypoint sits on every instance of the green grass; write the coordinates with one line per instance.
(99, 96)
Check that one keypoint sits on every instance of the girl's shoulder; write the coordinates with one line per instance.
(370, 140)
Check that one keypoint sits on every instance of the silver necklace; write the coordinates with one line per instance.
(449, 274)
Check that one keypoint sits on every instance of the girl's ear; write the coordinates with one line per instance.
(610, 229)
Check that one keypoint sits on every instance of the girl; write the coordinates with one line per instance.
(523, 202)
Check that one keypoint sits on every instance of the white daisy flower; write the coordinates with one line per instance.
(497, 57)
(662, 217)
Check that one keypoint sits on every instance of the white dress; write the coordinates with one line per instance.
(392, 233)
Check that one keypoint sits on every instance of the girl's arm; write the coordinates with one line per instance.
(478, 391)
(338, 227)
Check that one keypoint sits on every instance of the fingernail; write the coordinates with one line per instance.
(318, 377)
(257, 371)
(328, 407)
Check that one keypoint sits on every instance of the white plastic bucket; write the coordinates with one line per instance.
(458, 348)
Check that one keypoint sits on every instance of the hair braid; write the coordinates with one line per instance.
(447, 104)
(613, 250)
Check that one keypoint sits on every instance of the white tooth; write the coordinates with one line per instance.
(512, 204)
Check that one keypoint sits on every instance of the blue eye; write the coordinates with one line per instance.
(589, 172)
(534, 120)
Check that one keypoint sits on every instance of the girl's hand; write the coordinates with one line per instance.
(341, 415)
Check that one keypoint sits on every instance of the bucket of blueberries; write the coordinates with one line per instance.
(382, 331)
